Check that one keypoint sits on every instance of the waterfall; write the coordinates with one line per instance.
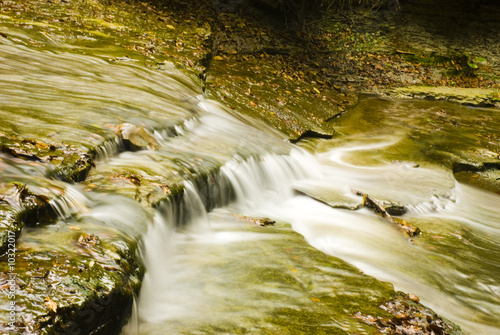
(73, 201)
(263, 185)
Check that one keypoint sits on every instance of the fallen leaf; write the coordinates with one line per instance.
(51, 304)
(414, 297)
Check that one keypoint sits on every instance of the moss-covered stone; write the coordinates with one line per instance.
(61, 161)
(258, 87)
(151, 32)
(457, 137)
(88, 289)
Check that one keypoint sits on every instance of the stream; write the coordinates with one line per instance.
(452, 266)
(215, 271)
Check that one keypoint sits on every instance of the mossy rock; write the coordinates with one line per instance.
(86, 289)
(61, 161)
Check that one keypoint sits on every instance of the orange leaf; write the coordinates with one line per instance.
(51, 304)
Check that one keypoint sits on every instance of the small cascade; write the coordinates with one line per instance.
(161, 287)
(105, 211)
(109, 149)
(73, 201)
(258, 179)
(264, 186)
(194, 212)
(184, 220)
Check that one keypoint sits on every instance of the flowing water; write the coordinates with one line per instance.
(453, 267)
(219, 273)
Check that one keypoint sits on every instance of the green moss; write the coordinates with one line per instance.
(87, 288)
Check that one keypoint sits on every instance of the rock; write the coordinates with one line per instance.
(480, 97)
(409, 317)
(396, 210)
(312, 134)
(334, 200)
(378, 208)
(74, 168)
(19, 207)
(60, 161)
(33, 209)
(84, 291)
(485, 175)
(136, 137)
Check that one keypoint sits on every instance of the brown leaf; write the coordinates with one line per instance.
(414, 297)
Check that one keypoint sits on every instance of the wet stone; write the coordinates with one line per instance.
(19, 207)
(60, 161)
(86, 289)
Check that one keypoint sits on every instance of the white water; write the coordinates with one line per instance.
(453, 267)
(424, 269)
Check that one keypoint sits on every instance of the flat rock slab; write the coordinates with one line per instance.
(331, 197)
(468, 96)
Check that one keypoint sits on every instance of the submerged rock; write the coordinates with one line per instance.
(32, 209)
